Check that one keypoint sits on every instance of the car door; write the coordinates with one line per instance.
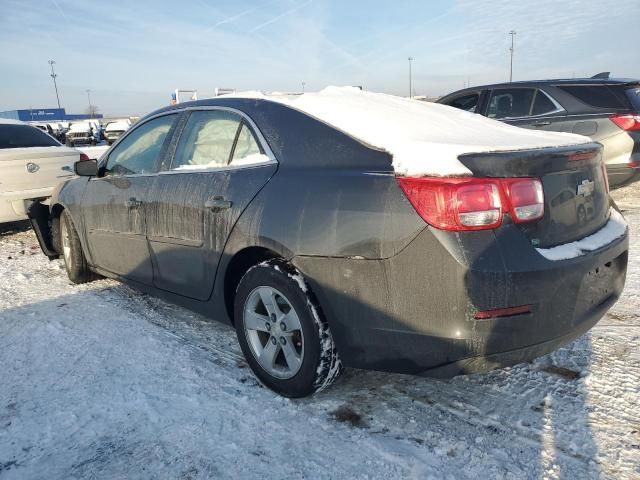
(220, 163)
(114, 201)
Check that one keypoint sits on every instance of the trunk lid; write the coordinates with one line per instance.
(576, 199)
(35, 167)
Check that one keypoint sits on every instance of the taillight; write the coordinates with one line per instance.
(526, 199)
(502, 312)
(84, 157)
(459, 204)
(626, 122)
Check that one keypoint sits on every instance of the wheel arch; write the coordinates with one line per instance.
(238, 265)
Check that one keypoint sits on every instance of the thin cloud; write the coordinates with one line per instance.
(283, 14)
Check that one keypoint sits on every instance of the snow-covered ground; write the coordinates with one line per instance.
(100, 381)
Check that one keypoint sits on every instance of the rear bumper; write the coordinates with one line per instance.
(414, 312)
(13, 205)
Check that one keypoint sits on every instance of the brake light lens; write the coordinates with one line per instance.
(459, 204)
(627, 123)
(84, 157)
(526, 199)
(502, 312)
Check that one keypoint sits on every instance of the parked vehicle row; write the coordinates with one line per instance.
(606, 110)
(350, 228)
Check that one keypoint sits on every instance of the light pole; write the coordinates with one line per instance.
(410, 79)
(55, 85)
(89, 98)
(303, 84)
(513, 35)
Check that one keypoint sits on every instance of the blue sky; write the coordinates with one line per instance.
(133, 54)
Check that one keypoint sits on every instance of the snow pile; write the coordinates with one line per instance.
(615, 228)
(423, 138)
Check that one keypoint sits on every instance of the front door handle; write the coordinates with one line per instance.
(133, 203)
(541, 124)
(217, 204)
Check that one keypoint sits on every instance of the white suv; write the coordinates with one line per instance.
(31, 164)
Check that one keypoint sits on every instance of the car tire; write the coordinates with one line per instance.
(75, 262)
(284, 338)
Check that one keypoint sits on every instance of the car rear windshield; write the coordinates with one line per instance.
(599, 96)
(20, 136)
(633, 94)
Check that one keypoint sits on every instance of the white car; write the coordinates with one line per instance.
(32, 163)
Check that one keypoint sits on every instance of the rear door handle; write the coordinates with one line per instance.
(133, 203)
(541, 124)
(217, 204)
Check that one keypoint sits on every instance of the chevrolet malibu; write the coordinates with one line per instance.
(348, 228)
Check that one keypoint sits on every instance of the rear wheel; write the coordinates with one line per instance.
(74, 260)
(281, 331)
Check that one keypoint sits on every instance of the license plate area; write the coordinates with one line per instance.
(599, 284)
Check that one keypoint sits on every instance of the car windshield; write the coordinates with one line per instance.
(21, 136)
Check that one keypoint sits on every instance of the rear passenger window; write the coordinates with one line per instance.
(247, 149)
(207, 140)
(599, 96)
(510, 103)
(634, 97)
(542, 104)
(468, 102)
(22, 136)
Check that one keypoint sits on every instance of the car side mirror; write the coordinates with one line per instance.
(86, 168)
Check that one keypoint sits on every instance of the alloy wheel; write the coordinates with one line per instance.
(273, 332)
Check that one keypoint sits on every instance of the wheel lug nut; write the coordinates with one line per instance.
(283, 326)
(283, 341)
(273, 317)
(273, 340)
(267, 326)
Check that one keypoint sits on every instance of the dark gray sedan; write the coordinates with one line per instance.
(321, 254)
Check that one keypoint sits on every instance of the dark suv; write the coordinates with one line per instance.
(607, 110)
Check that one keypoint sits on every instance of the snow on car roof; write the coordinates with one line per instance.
(423, 138)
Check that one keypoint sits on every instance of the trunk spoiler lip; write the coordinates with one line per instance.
(38, 214)
(531, 162)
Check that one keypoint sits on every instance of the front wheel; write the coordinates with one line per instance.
(282, 333)
(74, 260)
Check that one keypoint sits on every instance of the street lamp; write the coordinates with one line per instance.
(89, 98)
(55, 85)
(513, 35)
(410, 79)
